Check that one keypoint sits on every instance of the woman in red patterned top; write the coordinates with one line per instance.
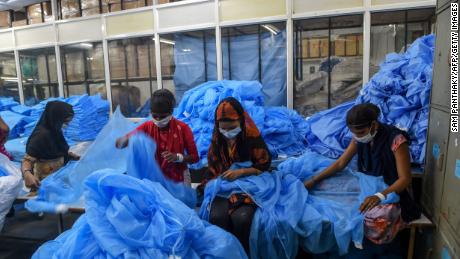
(175, 144)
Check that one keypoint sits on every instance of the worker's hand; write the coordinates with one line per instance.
(231, 175)
(31, 180)
(369, 203)
(122, 142)
(170, 157)
(74, 157)
(309, 184)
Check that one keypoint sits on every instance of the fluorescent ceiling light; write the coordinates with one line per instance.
(271, 28)
(168, 41)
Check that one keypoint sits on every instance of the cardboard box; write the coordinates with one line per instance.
(88, 4)
(149, 2)
(314, 51)
(143, 60)
(133, 4)
(360, 45)
(324, 47)
(131, 58)
(339, 47)
(164, 1)
(90, 11)
(4, 19)
(70, 9)
(19, 23)
(351, 45)
(116, 61)
(96, 64)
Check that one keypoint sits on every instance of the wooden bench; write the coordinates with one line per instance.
(422, 222)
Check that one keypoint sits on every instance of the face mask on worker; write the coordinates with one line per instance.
(65, 125)
(367, 138)
(230, 134)
(163, 122)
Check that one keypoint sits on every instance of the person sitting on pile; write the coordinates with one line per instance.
(235, 139)
(175, 143)
(46, 149)
(383, 150)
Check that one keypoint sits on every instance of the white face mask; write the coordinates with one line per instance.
(230, 134)
(367, 138)
(163, 122)
(65, 125)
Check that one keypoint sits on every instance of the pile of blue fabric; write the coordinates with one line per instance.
(282, 129)
(160, 224)
(16, 122)
(324, 220)
(91, 114)
(66, 185)
(401, 89)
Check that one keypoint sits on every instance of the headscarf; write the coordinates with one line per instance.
(47, 140)
(249, 143)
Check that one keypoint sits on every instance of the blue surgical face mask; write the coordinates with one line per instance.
(230, 134)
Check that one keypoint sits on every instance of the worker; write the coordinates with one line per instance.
(46, 149)
(4, 133)
(175, 144)
(235, 139)
(383, 150)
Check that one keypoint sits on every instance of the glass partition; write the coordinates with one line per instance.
(132, 74)
(8, 76)
(39, 74)
(83, 69)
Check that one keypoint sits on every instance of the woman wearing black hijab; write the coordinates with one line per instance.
(46, 149)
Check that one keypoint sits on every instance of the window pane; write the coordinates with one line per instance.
(39, 74)
(346, 62)
(328, 62)
(83, 69)
(8, 76)
(388, 32)
(257, 52)
(132, 73)
(311, 54)
(187, 60)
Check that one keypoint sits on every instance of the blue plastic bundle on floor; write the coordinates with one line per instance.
(128, 217)
(325, 220)
(6, 103)
(401, 89)
(282, 129)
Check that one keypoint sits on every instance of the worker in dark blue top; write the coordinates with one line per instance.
(383, 150)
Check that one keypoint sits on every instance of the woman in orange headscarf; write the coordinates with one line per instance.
(235, 139)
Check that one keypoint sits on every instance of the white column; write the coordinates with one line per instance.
(289, 55)
(157, 49)
(366, 40)
(218, 43)
(105, 49)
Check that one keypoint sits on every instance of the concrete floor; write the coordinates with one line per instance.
(25, 232)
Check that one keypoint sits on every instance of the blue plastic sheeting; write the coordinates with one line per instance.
(142, 165)
(17, 148)
(327, 219)
(337, 200)
(10, 186)
(401, 89)
(158, 225)
(282, 129)
(66, 185)
(91, 114)
(192, 69)
(6, 103)
(16, 122)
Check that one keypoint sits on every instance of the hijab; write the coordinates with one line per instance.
(250, 145)
(47, 140)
